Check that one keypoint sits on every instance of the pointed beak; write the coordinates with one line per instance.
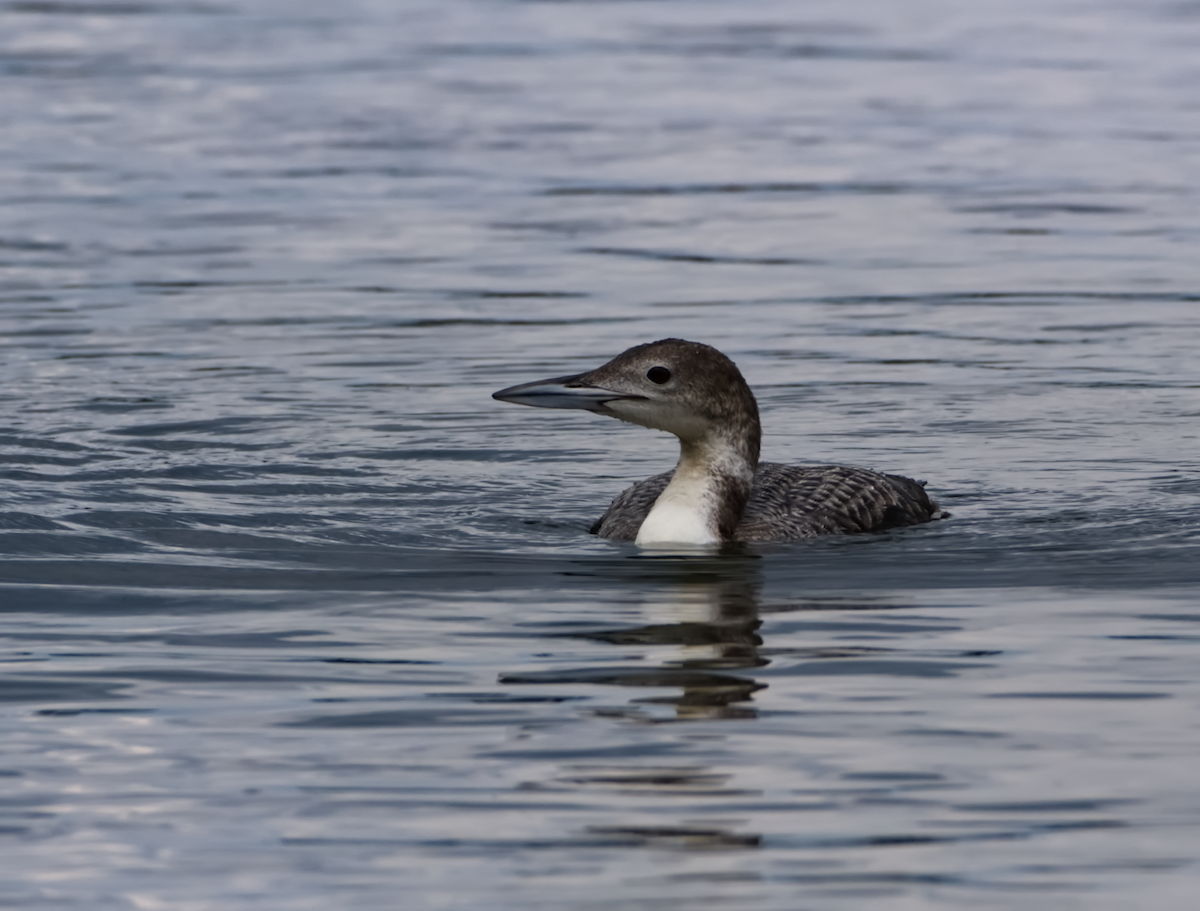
(561, 392)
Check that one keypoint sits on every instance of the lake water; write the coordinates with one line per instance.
(296, 617)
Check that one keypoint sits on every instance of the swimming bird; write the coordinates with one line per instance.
(719, 492)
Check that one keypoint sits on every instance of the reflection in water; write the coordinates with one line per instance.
(713, 608)
(662, 781)
(710, 610)
(691, 838)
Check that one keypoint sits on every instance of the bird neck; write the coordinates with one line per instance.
(707, 494)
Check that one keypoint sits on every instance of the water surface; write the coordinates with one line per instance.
(296, 616)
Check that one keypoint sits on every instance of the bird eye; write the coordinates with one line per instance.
(658, 375)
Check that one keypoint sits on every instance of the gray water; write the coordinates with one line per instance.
(296, 617)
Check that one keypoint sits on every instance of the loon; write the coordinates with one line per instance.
(719, 492)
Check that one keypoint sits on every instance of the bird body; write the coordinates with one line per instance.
(788, 502)
(719, 491)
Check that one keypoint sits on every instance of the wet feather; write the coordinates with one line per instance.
(794, 501)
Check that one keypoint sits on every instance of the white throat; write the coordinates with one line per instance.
(688, 511)
(684, 513)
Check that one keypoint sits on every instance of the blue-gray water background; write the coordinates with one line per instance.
(294, 616)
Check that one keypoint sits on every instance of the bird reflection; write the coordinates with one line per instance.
(702, 645)
(710, 629)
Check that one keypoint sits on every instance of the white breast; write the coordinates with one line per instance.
(681, 515)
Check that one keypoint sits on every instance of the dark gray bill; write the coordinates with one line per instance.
(560, 392)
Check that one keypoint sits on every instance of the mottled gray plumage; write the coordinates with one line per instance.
(793, 501)
(719, 491)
